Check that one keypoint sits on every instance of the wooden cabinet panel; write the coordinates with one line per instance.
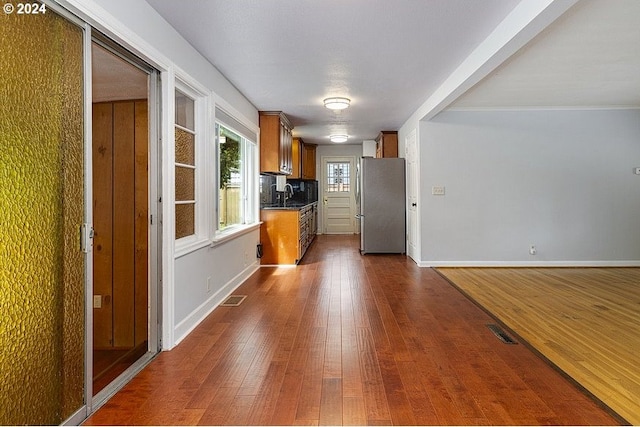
(387, 144)
(304, 160)
(308, 161)
(296, 158)
(286, 234)
(275, 143)
(279, 235)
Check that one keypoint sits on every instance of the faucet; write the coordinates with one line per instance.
(288, 189)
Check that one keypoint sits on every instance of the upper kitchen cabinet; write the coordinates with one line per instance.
(308, 154)
(304, 160)
(296, 156)
(275, 143)
(387, 144)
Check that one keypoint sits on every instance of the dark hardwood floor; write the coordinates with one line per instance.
(345, 339)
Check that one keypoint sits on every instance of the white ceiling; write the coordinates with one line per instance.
(389, 57)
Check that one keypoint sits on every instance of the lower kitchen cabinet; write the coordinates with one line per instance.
(287, 233)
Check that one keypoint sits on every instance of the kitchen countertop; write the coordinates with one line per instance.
(290, 207)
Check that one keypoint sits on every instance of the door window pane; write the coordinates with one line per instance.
(338, 177)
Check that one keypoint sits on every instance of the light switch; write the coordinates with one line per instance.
(437, 191)
(97, 301)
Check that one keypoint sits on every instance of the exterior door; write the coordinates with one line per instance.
(413, 244)
(339, 180)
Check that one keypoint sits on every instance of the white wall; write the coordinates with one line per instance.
(560, 180)
(186, 299)
(369, 148)
(225, 266)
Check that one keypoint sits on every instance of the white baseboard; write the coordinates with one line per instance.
(185, 327)
(435, 264)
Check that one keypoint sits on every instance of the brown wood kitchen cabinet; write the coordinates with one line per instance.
(287, 233)
(304, 160)
(387, 144)
(275, 143)
(308, 161)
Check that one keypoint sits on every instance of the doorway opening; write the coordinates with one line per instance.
(124, 303)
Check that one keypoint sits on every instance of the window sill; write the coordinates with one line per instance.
(225, 236)
(187, 247)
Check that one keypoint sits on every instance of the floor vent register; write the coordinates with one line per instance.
(502, 335)
(233, 301)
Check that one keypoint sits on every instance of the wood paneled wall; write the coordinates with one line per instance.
(120, 212)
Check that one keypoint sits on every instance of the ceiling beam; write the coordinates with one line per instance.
(526, 21)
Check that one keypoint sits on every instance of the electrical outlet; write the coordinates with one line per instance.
(636, 171)
(532, 250)
(437, 191)
(208, 284)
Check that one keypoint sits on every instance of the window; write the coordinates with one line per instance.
(236, 178)
(338, 178)
(185, 165)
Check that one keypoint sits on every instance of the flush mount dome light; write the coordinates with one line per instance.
(337, 103)
(338, 138)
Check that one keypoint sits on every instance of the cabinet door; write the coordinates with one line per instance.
(288, 151)
(297, 153)
(285, 148)
(387, 144)
(282, 149)
(309, 161)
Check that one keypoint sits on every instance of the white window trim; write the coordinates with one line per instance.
(202, 224)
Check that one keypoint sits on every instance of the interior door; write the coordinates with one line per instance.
(42, 210)
(339, 182)
(412, 196)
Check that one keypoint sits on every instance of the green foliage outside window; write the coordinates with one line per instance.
(229, 155)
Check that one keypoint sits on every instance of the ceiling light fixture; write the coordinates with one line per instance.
(338, 138)
(337, 103)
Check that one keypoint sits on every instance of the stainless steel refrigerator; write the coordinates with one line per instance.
(381, 194)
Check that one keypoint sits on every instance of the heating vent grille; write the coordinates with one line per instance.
(502, 335)
(233, 301)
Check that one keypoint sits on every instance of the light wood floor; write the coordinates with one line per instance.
(584, 320)
(345, 339)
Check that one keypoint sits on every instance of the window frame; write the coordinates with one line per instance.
(249, 173)
(199, 239)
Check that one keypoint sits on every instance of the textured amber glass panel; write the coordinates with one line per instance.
(41, 200)
(185, 220)
(185, 147)
(185, 184)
